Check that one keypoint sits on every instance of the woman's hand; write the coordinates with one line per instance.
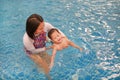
(50, 47)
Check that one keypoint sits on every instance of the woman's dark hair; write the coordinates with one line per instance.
(52, 31)
(32, 24)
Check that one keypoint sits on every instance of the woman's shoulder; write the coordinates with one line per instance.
(26, 38)
(47, 26)
(47, 23)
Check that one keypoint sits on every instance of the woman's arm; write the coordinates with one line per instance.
(36, 51)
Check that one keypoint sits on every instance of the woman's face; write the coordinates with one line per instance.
(40, 28)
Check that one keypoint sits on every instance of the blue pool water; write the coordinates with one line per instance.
(92, 24)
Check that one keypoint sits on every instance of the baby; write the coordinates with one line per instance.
(59, 42)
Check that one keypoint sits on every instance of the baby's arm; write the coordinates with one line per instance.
(53, 57)
(74, 45)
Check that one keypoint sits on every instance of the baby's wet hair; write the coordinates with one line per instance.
(52, 31)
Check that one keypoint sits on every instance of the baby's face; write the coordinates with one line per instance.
(56, 37)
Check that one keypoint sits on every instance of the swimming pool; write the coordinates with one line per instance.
(92, 24)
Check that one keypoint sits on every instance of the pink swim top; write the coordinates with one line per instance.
(39, 41)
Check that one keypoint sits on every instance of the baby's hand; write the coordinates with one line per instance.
(81, 49)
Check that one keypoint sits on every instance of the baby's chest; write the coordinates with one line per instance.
(63, 45)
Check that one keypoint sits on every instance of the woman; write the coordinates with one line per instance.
(34, 41)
